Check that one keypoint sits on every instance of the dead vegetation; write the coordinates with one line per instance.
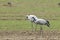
(28, 35)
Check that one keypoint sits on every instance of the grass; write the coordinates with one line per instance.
(26, 25)
(48, 9)
(13, 25)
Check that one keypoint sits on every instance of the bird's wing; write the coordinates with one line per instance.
(40, 21)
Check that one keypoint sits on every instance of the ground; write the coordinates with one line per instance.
(29, 35)
(13, 18)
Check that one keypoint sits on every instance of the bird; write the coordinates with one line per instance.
(29, 17)
(41, 22)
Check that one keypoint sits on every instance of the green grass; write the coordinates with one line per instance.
(48, 9)
(14, 25)
(42, 8)
(26, 25)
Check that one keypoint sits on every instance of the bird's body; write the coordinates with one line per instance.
(41, 21)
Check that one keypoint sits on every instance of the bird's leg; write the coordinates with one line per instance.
(32, 26)
(41, 30)
(36, 27)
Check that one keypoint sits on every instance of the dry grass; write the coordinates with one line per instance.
(28, 35)
(43, 9)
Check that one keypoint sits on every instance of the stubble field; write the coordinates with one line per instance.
(13, 25)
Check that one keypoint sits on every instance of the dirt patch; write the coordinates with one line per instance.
(29, 35)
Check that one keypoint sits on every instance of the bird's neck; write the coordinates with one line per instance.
(34, 19)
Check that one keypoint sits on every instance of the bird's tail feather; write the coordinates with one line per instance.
(48, 24)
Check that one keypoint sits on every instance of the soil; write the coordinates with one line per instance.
(30, 35)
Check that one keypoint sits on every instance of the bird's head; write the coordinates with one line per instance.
(26, 18)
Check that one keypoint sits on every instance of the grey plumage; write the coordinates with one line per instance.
(41, 21)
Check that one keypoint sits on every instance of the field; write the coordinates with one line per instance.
(13, 25)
